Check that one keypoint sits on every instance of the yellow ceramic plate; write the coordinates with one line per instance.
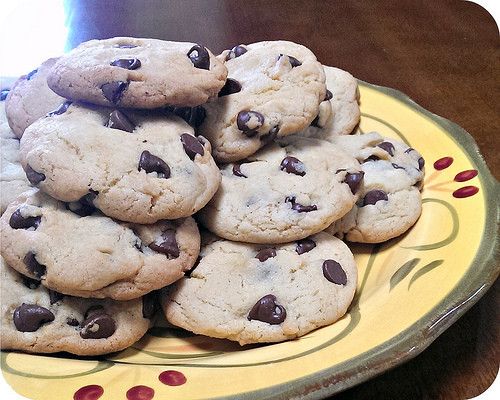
(410, 290)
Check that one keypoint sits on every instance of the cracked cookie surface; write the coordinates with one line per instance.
(138, 73)
(286, 191)
(255, 293)
(134, 166)
(74, 249)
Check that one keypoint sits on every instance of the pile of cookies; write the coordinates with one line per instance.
(142, 176)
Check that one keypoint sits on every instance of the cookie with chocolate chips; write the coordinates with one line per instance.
(74, 249)
(31, 98)
(273, 89)
(286, 191)
(136, 166)
(38, 320)
(263, 293)
(138, 73)
(390, 201)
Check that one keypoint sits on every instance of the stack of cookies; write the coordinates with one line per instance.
(222, 187)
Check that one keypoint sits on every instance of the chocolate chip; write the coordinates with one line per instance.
(373, 196)
(113, 91)
(192, 145)
(328, 96)
(293, 165)
(118, 120)
(409, 150)
(334, 272)
(33, 266)
(236, 51)
(237, 171)
(72, 321)
(266, 253)
(267, 309)
(30, 317)
(85, 206)
(249, 122)
(353, 180)
(199, 57)
(31, 74)
(98, 325)
(231, 86)
(299, 207)
(30, 283)
(305, 245)
(150, 304)
(268, 137)
(34, 177)
(126, 63)
(4, 94)
(63, 107)
(293, 61)
(55, 296)
(17, 221)
(388, 147)
(396, 166)
(151, 163)
(125, 46)
(167, 244)
(421, 163)
(371, 158)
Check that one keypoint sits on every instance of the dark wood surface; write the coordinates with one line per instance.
(445, 55)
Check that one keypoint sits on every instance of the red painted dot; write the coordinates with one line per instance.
(443, 163)
(89, 392)
(140, 392)
(465, 191)
(465, 175)
(172, 378)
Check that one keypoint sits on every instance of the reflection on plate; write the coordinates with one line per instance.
(410, 290)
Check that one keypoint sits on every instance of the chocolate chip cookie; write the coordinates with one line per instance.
(138, 73)
(134, 166)
(258, 293)
(37, 320)
(74, 249)
(273, 89)
(390, 201)
(286, 191)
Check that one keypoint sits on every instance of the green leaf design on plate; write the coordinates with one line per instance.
(425, 269)
(403, 272)
(454, 231)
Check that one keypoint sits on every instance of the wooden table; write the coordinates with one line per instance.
(443, 54)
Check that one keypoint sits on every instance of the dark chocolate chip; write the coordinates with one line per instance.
(17, 221)
(33, 266)
(293, 61)
(236, 51)
(151, 163)
(98, 325)
(388, 147)
(409, 150)
(266, 253)
(199, 57)
(30, 283)
(31, 74)
(249, 122)
(231, 86)
(237, 171)
(150, 304)
(126, 63)
(293, 165)
(85, 206)
(118, 120)
(113, 91)
(267, 309)
(421, 163)
(268, 137)
(334, 272)
(328, 96)
(194, 116)
(30, 317)
(72, 321)
(166, 244)
(192, 145)
(371, 158)
(305, 245)
(63, 107)
(299, 207)
(396, 166)
(34, 177)
(55, 296)
(4, 94)
(373, 196)
(353, 180)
